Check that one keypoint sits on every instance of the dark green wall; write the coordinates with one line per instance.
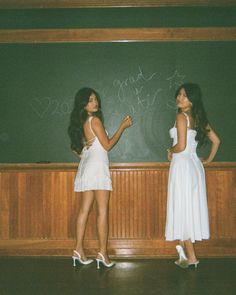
(38, 83)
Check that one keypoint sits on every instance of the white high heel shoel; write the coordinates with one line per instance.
(77, 257)
(183, 260)
(195, 264)
(103, 261)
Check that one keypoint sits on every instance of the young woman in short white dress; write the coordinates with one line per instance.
(187, 211)
(89, 139)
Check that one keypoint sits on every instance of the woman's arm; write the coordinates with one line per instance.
(214, 146)
(100, 132)
(181, 125)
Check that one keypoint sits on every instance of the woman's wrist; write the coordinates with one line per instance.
(169, 150)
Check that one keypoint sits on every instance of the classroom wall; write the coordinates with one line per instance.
(37, 204)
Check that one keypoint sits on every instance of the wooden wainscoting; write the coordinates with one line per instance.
(38, 210)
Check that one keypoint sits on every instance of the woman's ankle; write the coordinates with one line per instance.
(192, 259)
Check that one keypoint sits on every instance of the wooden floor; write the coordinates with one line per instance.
(49, 276)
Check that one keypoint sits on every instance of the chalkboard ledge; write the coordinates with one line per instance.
(20, 167)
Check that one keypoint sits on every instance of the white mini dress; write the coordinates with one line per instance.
(93, 171)
(187, 210)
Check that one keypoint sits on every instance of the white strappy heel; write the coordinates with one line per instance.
(103, 261)
(195, 264)
(77, 257)
(183, 260)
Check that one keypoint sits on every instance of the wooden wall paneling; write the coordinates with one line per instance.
(225, 204)
(121, 212)
(148, 187)
(150, 197)
(212, 204)
(155, 202)
(49, 210)
(25, 205)
(47, 204)
(33, 200)
(72, 206)
(221, 204)
(157, 199)
(162, 201)
(127, 210)
(56, 216)
(115, 206)
(221, 218)
(230, 209)
(216, 199)
(39, 208)
(4, 207)
(12, 185)
(136, 196)
(124, 206)
(128, 204)
(138, 233)
(112, 200)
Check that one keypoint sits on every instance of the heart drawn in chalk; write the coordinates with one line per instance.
(40, 106)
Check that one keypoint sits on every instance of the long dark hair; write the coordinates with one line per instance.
(78, 117)
(194, 94)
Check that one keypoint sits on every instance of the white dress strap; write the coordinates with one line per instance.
(90, 125)
(187, 117)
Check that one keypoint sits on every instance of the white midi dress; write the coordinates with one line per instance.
(187, 210)
(93, 171)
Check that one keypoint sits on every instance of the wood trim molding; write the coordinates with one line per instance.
(22, 4)
(117, 248)
(21, 167)
(118, 35)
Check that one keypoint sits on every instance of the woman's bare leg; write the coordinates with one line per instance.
(190, 251)
(102, 198)
(86, 202)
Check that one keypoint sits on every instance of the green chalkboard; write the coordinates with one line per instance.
(39, 81)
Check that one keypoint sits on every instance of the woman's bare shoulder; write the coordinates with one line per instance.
(180, 117)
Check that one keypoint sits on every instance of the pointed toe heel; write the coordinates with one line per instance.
(182, 263)
(76, 257)
(103, 262)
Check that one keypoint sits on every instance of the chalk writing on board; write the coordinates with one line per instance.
(139, 94)
(47, 106)
(171, 104)
(40, 106)
(148, 98)
(132, 80)
(176, 79)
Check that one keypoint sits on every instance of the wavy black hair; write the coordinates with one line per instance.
(194, 95)
(78, 117)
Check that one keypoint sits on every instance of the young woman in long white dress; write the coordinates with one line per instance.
(89, 139)
(187, 211)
